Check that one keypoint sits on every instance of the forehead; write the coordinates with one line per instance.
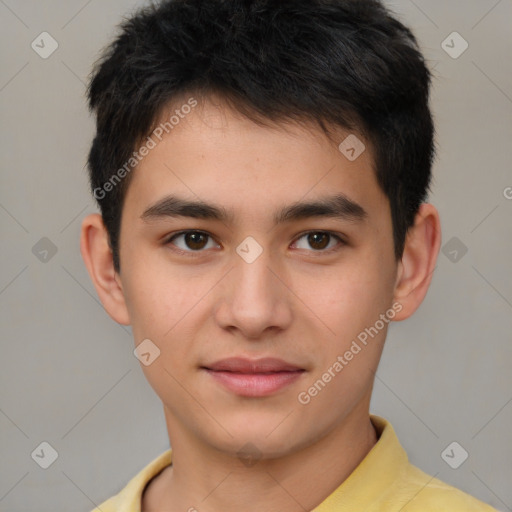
(211, 151)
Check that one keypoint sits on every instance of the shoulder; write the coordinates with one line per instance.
(402, 486)
(435, 495)
(111, 505)
(132, 495)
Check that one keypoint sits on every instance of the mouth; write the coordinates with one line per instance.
(253, 378)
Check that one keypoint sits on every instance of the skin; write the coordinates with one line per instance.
(295, 302)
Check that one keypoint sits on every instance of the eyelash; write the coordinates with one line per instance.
(193, 253)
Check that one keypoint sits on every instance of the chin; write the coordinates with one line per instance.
(267, 435)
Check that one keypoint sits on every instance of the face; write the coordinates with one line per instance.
(254, 272)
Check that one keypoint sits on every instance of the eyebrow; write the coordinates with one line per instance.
(335, 206)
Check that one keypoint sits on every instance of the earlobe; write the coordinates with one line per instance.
(418, 261)
(98, 259)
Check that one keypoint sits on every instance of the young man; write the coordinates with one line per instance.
(262, 168)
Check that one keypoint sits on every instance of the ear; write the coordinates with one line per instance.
(97, 255)
(418, 261)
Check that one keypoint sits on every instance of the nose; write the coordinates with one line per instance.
(253, 299)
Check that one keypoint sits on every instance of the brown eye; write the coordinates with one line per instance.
(192, 241)
(195, 241)
(320, 241)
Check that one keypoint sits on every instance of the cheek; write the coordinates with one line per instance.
(155, 293)
(168, 308)
(158, 308)
(351, 301)
(150, 305)
(357, 286)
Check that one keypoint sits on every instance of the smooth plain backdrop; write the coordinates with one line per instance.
(68, 376)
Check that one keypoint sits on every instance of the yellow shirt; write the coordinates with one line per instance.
(384, 481)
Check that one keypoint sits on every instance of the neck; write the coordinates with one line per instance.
(204, 478)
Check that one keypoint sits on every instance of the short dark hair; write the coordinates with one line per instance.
(344, 63)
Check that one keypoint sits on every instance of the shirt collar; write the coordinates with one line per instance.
(374, 475)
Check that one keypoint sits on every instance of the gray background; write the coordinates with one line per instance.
(68, 375)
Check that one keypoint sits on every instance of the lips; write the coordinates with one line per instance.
(253, 377)
(242, 365)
